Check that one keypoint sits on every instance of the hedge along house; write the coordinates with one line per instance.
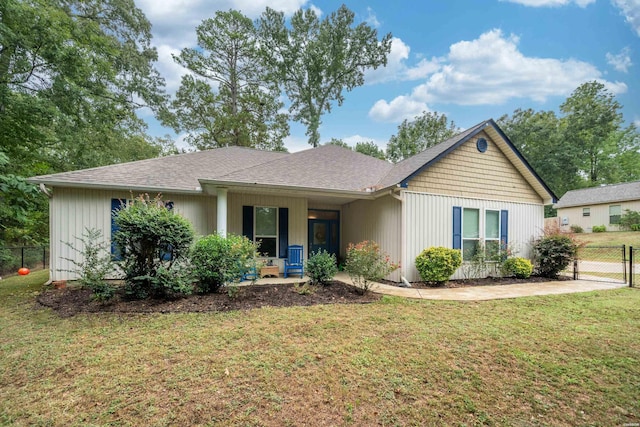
(473, 188)
(597, 206)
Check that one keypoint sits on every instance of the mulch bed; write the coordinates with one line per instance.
(489, 281)
(73, 300)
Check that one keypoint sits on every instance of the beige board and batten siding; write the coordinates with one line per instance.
(469, 173)
(598, 215)
(297, 216)
(377, 220)
(73, 210)
(429, 222)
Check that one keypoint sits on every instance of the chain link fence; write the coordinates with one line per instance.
(14, 257)
(601, 263)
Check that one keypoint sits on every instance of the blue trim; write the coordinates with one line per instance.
(457, 227)
(283, 232)
(247, 222)
(116, 205)
(504, 228)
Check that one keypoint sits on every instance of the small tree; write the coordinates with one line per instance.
(630, 220)
(155, 242)
(218, 260)
(366, 263)
(94, 265)
(321, 267)
(437, 264)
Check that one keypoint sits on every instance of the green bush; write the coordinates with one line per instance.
(576, 229)
(94, 265)
(437, 264)
(321, 267)
(630, 220)
(518, 267)
(366, 263)
(217, 260)
(599, 229)
(553, 253)
(154, 242)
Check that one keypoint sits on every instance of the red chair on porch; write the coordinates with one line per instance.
(294, 260)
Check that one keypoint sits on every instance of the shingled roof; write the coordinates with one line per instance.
(326, 168)
(613, 193)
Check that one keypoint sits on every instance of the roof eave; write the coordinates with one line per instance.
(290, 189)
(111, 186)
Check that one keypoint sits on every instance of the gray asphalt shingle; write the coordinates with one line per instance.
(597, 195)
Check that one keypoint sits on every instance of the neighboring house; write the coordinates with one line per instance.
(602, 205)
(474, 187)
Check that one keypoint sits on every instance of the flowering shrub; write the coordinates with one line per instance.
(553, 253)
(366, 263)
(518, 267)
(437, 264)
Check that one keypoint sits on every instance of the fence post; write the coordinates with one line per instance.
(575, 269)
(624, 263)
(631, 266)
(22, 256)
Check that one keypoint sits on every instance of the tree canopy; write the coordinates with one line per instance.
(316, 60)
(417, 135)
(228, 100)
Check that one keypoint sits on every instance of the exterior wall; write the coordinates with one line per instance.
(74, 210)
(377, 220)
(429, 222)
(467, 172)
(599, 215)
(297, 216)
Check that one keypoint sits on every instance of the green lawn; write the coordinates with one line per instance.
(611, 238)
(557, 360)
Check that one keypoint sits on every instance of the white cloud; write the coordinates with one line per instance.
(491, 70)
(371, 18)
(621, 61)
(400, 108)
(170, 69)
(354, 139)
(551, 3)
(631, 11)
(296, 143)
(397, 68)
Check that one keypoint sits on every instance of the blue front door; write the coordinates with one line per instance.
(325, 234)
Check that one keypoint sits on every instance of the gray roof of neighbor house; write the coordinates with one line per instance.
(327, 168)
(613, 193)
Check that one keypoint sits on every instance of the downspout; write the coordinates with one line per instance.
(47, 193)
(392, 193)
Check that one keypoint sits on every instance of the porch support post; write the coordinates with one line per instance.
(222, 212)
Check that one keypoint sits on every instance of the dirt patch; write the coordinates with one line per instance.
(489, 281)
(73, 300)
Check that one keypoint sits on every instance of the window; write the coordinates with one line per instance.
(492, 235)
(267, 231)
(586, 211)
(470, 232)
(615, 212)
(473, 227)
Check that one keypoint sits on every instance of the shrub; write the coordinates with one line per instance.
(518, 267)
(366, 263)
(218, 260)
(553, 253)
(630, 220)
(321, 266)
(437, 264)
(155, 242)
(599, 229)
(576, 229)
(94, 265)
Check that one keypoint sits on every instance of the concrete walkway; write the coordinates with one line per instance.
(483, 293)
(472, 293)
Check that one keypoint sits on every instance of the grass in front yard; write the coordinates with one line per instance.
(558, 360)
(610, 238)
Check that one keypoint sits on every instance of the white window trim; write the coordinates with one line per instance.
(482, 224)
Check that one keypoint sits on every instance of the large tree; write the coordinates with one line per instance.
(227, 100)
(417, 135)
(593, 119)
(73, 73)
(316, 60)
(370, 149)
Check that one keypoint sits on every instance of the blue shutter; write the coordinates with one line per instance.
(116, 205)
(247, 222)
(504, 228)
(283, 231)
(457, 227)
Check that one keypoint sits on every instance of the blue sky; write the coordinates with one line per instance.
(469, 59)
